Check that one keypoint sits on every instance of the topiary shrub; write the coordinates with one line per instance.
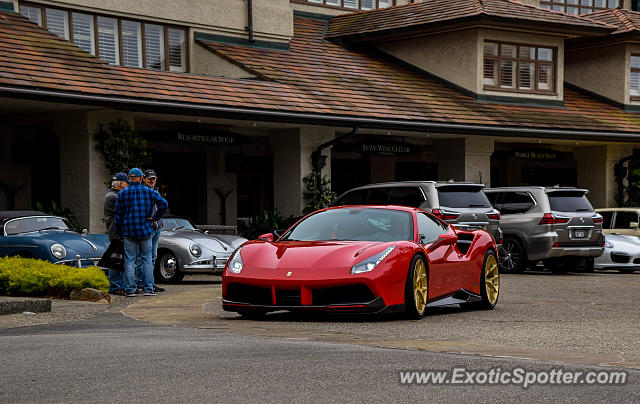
(31, 277)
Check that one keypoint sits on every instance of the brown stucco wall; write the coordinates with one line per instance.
(600, 70)
(452, 56)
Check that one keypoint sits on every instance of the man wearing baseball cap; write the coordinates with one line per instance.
(134, 219)
(118, 182)
(149, 179)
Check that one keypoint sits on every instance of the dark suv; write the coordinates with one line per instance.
(556, 225)
(461, 204)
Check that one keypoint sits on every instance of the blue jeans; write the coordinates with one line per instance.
(132, 249)
(116, 280)
(154, 254)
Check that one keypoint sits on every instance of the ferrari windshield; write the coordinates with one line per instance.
(36, 223)
(357, 224)
(176, 223)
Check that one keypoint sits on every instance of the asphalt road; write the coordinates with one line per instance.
(183, 347)
(111, 358)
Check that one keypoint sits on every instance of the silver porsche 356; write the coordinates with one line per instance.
(183, 248)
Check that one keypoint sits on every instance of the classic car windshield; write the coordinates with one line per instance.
(35, 223)
(176, 223)
(358, 224)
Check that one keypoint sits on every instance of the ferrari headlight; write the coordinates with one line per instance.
(195, 250)
(235, 263)
(371, 262)
(58, 251)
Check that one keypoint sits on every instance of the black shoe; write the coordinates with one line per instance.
(157, 288)
(138, 291)
(117, 292)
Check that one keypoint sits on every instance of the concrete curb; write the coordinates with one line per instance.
(13, 305)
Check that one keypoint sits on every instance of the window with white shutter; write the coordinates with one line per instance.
(83, 32)
(176, 44)
(119, 41)
(367, 4)
(108, 46)
(58, 22)
(634, 80)
(518, 68)
(154, 46)
(352, 4)
(34, 14)
(131, 43)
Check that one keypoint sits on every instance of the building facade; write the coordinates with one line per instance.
(234, 96)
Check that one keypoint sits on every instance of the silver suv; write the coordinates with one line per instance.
(461, 204)
(556, 225)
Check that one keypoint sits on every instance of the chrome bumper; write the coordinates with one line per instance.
(215, 265)
(80, 262)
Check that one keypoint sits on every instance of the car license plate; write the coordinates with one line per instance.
(579, 234)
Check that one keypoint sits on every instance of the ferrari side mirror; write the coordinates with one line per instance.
(268, 237)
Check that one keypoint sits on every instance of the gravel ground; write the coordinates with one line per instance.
(72, 310)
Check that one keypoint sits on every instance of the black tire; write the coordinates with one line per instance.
(513, 257)
(488, 300)
(416, 300)
(626, 271)
(557, 266)
(589, 265)
(167, 268)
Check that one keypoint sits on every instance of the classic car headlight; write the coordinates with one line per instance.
(195, 250)
(371, 262)
(58, 251)
(235, 263)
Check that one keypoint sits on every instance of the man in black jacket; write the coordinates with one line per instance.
(118, 183)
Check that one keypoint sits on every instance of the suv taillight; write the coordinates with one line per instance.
(550, 218)
(494, 216)
(597, 219)
(442, 215)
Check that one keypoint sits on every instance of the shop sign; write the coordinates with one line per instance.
(537, 154)
(386, 148)
(222, 139)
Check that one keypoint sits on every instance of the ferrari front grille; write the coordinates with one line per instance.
(240, 293)
(288, 297)
(352, 294)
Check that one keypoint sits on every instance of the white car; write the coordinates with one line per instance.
(621, 252)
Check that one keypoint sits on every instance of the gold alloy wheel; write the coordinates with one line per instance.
(491, 279)
(420, 286)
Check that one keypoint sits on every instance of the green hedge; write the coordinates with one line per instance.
(26, 276)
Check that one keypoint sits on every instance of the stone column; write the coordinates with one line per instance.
(596, 172)
(478, 151)
(83, 172)
(292, 162)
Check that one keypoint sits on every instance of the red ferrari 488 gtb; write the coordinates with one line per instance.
(369, 259)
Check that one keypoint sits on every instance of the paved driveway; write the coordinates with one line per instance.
(575, 318)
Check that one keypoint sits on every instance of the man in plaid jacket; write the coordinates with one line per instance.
(134, 219)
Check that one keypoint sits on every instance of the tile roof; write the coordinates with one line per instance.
(624, 20)
(435, 11)
(359, 83)
(316, 77)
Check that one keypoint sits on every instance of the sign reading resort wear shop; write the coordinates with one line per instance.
(208, 138)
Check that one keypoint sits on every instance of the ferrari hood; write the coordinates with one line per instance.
(304, 254)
